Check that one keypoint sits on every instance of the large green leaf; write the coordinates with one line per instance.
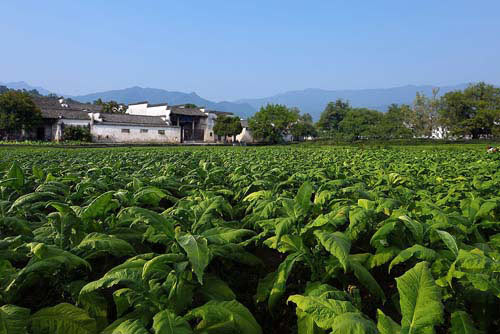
(130, 327)
(160, 264)
(303, 198)
(98, 244)
(167, 322)
(386, 325)
(16, 176)
(62, 319)
(322, 310)
(13, 319)
(279, 284)
(216, 289)
(416, 228)
(197, 251)
(420, 300)
(449, 241)
(418, 251)
(366, 278)
(379, 238)
(98, 207)
(337, 244)
(224, 235)
(461, 323)
(45, 262)
(353, 323)
(224, 317)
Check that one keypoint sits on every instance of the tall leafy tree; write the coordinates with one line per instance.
(361, 123)
(304, 127)
(18, 113)
(424, 116)
(272, 122)
(395, 122)
(473, 112)
(227, 126)
(333, 114)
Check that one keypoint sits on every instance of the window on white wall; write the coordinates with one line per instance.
(144, 130)
(125, 130)
(161, 132)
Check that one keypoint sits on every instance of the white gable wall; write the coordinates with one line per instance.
(137, 109)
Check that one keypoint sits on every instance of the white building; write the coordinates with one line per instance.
(104, 127)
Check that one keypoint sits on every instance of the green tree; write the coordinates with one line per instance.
(424, 117)
(395, 122)
(18, 113)
(304, 127)
(272, 122)
(111, 107)
(361, 123)
(333, 114)
(471, 112)
(227, 126)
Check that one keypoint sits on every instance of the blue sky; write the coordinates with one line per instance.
(225, 50)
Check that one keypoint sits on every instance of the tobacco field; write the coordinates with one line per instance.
(249, 240)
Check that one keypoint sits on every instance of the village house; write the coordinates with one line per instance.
(104, 127)
(141, 123)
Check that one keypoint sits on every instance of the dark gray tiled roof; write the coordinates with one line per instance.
(244, 123)
(141, 102)
(56, 113)
(227, 113)
(52, 103)
(187, 112)
(132, 119)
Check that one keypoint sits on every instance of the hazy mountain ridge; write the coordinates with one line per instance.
(309, 100)
(314, 100)
(24, 85)
(156, 95)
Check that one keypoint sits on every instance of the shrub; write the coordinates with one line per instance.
(78, 133)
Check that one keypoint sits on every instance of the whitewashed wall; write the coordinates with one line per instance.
(245, 136)
(113, 134)
(209, 128)
(137, 109)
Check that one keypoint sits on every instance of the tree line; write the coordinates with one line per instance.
(471, 113)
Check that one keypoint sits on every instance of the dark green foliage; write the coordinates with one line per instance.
(77, 133)
(227, 126)
(249, 240)
(272, 122)
(18, 113)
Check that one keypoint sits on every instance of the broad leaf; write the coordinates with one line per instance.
(62, 319)
(386, 325)
(323, 311)
(461, 323)
(279, 284)
(224, 317)
(420, 300)
(13, 319)
(449, 241)
(336, 243)
(167, 322)
(197, 251)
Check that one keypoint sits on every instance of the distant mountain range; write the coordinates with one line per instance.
(24, 85)
(314, 101)
(155, 95)
(309, 100)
